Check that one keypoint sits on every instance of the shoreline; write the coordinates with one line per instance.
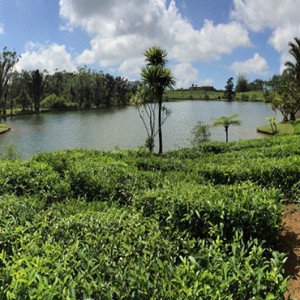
(4, 129)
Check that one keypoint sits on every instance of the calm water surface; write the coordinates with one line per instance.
(109, 128)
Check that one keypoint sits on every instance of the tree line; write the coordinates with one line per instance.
(84, 89)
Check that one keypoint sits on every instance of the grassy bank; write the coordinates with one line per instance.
(4, 128)
(195, 223)
(282, 128)
(173, 95)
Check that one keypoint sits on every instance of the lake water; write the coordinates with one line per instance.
(110, 128)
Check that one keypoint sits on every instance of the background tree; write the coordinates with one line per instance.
(226, 122)
(256, 85)
(284, 95)
(242, 84)
(157, 77)
(36, 87)
(109, 89)
(229, 90)
(293, 69)
(8, 59)
(23, 100)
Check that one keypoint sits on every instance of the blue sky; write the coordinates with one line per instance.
(207, 41)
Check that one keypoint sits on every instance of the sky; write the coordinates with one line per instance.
(207, 41)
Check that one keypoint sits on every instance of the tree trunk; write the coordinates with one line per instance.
(285, 118)
(159, 127)
(293, 116)
(226, 131)
(4, 107)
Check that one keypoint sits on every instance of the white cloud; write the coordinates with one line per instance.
(261, 14)
(281, 17)
(255, 65)
(210, 42)
(185, 75)
(45, 57)
(280, 39)
(121, 30)
(1, 28)
(131, 66)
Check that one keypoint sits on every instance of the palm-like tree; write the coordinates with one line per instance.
(158, 78)
(226, 122)
(294, 67)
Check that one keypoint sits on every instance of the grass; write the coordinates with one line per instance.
(297, 126)
(254, 96)
(4, 128)
(173, 95)
(282, 128)
(193, 95)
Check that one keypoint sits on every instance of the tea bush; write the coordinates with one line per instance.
(208, 211)
(199, 223)
(79, 250)
(39, 179)
(281, 173)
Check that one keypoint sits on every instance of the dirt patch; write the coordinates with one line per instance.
(290, 243)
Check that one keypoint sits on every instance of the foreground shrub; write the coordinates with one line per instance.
(280, 173)
(208, 211)
(79, 250)
(102, 181)
(32, 178)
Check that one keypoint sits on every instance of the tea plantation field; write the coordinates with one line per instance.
(195, 223)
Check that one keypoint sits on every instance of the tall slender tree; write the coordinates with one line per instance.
(36, 88)
(242, 84)
(143, 101)
(229, 89)
(293, 69)
(158, 78)
(8, 59)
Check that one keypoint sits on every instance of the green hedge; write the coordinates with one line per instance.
(32, 178)
(78, 250)
(199, 223)
(206, 211)
(282, 173)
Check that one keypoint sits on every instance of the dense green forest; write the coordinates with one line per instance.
(195, 223)
(34, 90)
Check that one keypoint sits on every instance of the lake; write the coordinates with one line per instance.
(110, 128)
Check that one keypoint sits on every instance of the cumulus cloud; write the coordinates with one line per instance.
(45, 57)
(121, 30)
(281, 17)
(255, 65)
(261, 14)
(208, 43)
(185, 74)
(1, 28)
